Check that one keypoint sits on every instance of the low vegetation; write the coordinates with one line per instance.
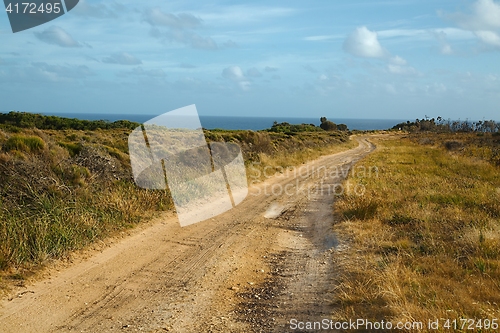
(15, 120)
(58, 195)
(440, 125)
(483, 146)
(326, 125)
(423, 242)
(70, 183)
(279, 150)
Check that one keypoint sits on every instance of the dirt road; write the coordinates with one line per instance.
(251, 269)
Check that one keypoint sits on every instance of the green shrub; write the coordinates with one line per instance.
(291, 128)
(73, 148)
(72, 137)
(25, 143)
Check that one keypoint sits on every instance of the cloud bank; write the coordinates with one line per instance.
(178, 28)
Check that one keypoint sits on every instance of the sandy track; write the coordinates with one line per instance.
(252, 268)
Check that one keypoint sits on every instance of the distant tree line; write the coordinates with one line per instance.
(441, 125)
(35, 120)
(326, 125)
(285, 127)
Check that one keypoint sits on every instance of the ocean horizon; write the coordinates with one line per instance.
(242, 123)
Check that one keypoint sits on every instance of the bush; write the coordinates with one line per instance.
(327, 125)
(73, 148)
(25, 143)
(453, 145)
(342, 127)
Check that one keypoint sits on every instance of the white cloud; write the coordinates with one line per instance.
(485, 16)
(398, 65)
(244, 85)
(270, 69)
(390, 33)
(455, 33)
(364, 43)
(397, 60)
(446, 49)
(57, 36)
(235, 74)
(402, 70)
(317, 38)
(483, 21)
(444, 46)
(181, 21)
(122, 58)
(424, 34)
(488, 37)
(322, 38)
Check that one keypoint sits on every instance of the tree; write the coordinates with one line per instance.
(327, 125)
(342, 127)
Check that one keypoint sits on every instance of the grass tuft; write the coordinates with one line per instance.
(26, 144)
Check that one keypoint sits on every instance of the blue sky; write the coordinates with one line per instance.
(341, 59)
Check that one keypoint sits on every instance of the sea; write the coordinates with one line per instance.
(242, 123)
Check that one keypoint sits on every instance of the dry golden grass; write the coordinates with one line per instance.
(285, 152)
(423, 243)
